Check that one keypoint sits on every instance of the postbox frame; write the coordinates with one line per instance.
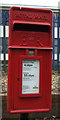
(38, 56)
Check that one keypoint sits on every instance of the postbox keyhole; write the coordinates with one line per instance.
(31, 52)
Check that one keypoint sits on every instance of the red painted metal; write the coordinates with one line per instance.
(29, 30)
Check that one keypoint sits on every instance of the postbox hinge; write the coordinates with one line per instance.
(13, 106)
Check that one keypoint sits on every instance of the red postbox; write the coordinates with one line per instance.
(30, 60)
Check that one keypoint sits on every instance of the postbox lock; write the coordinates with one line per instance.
(31, 52)
(18, 79)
